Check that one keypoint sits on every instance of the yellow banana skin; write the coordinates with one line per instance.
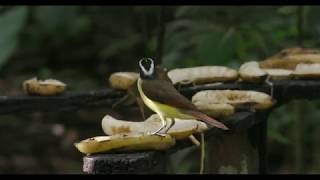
(104, 144)
(180, 130)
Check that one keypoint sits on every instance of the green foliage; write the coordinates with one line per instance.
(11, 23)
(64, 20)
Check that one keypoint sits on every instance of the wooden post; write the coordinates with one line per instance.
(262, 145)
(231, 154)
(240, 152)
(126, 163)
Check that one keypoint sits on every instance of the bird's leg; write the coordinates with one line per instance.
(202, 154)
(164, 123)
(194, 140)
(171, 125)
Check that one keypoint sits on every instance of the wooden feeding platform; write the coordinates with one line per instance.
(240, 150)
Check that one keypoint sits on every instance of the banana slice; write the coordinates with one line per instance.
(257, 100)
(180, 130)
(202, 74)
(307, 71)
(44, 88)
(279, 74)
(123, 80)
(251, 72)
(101, 144)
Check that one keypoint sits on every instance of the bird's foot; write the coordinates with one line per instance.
(155, 133)
(159, 134)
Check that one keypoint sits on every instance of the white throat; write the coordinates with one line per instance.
(147, 72)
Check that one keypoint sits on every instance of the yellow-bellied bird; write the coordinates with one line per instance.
(163, 98)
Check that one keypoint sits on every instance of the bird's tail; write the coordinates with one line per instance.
(203, 117)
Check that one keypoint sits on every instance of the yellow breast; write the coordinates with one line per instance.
(159, 108)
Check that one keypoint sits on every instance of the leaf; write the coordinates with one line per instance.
(10, 24)
(6, 50)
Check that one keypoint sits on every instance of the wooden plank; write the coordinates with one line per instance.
(284, 91)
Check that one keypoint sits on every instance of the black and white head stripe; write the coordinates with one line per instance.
(150, 71)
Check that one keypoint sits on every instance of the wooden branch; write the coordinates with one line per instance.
(64, 102)
(284, 91)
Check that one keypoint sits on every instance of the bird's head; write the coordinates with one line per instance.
(147, 68)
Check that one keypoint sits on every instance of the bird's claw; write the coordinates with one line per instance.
(161, 135)
(156, 133)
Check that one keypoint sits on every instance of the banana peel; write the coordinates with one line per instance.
(289, 58)
(180, 130)
(47, 87)
(124, 143)
(202, 75)
(257, 100)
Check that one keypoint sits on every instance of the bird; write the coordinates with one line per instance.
(163, 98)
(133, 95)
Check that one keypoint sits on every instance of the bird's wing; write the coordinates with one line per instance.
(164, 92)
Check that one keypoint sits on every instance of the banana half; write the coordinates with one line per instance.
(208, 99)
(122, 142)
(202, 75)
(123, 80)
(43, 88)
(180, 130)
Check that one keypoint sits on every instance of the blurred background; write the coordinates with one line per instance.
(83, 45)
